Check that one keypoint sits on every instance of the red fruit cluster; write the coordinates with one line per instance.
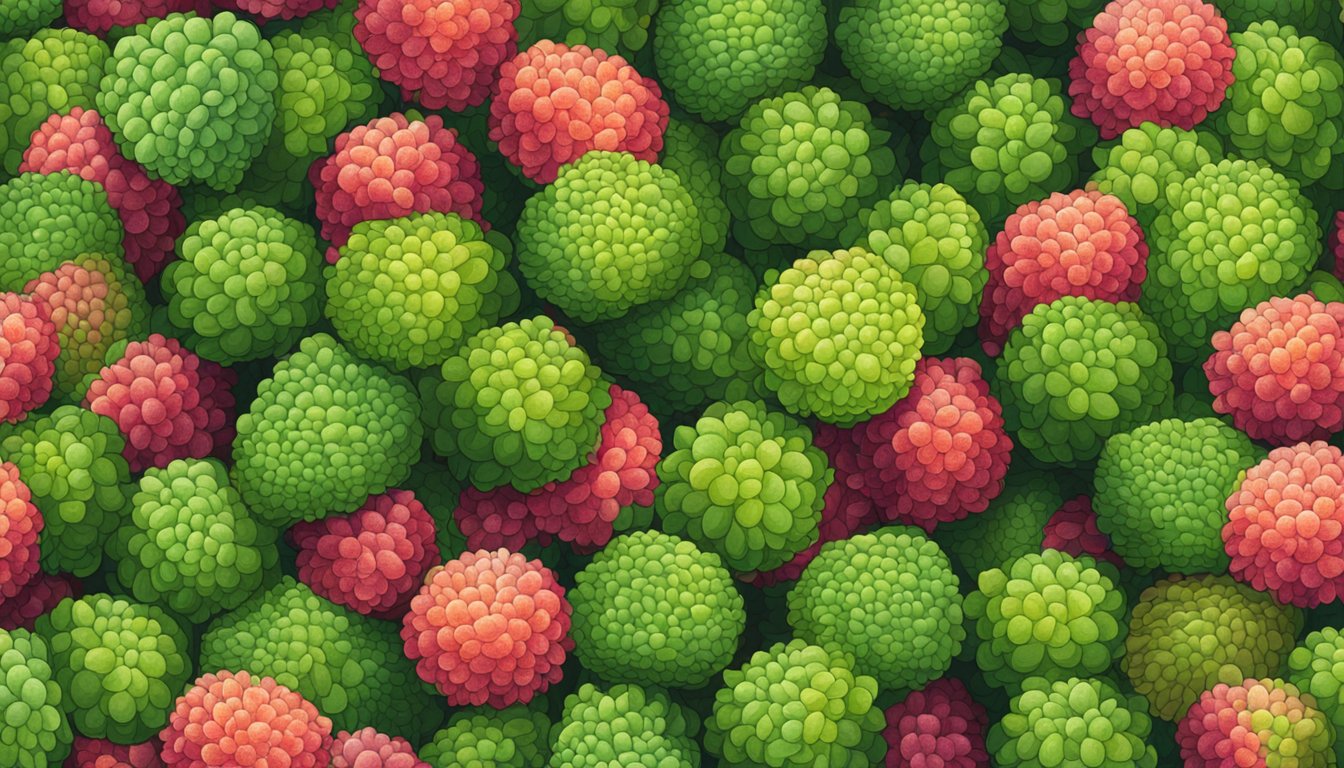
(98, 16)
(1285, 527)
(489, 628)
(1072, 529)
(1083, 243)
(941, 726)
(441, 53)
(846, 508)
(20, 524)
(1161, 61)
(580, 509)
(393, 167)
(28, 350)
(368, 748)
(941, 453)
(266, 10)
(101, 753)
(232, 719)
(149, 209)
(34, 599)
(556, 102)
(167, 402)
(1279, 371)
(1226, 727)
(372, 560)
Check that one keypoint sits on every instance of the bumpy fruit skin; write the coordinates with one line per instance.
(96, 303)
(613, 25)
(889, 598)
(33, 732)
(24, 17)
(246, 284)
(1160, 490)
(278, 725)
(168, 403)
(35, 599)
(1256, 722)
(624, 725)
(71, 461)
(937, 242)
(1138, 165)
(99, 17)
(119, 664)
(149, 209)
(692, 349)
(392, 167)
(372, 560)
(746, 483)
(916, 54)
(600, 102)
(20, 525)
(170, 130)
(1078, 371)
(47, 218)
(584, 509)
(29, 347)
(1314, 667)
(326, 84)
(1285, 525)
(652, 608)
(48, 73)
(1303, 14)
(1073, 530)
(1229, 236)
(1050, 22)
(941, 452)
(1011, 526)
(408, 291)
(519, 401)
(440, 54)
(611, 233)
(348, 665)
(718, 57)
(1167, 62)
(1286, 103)
(324, 432)
(799, 705)
(1279, 370)
(189, 544)
(1188, 633)
(939, 725)
(489, 628)
(846, 507)
(1005, 142)
(1084, 243)
(798, 168)
(270, 10)
(691, 150)
(1074, 721)
(1048, 614)
(514, 737)
(101, 753)
(838, 335)
(367, 748)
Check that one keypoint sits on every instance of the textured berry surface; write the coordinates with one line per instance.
(1256, 722)
(938, 725)
(29, 347)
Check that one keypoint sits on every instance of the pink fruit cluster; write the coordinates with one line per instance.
(167, 402)
(1072, 529)
(149, 209)
(28, 351)
(372, 560)
(489, 628)
(367, 748)
(1161, 61)
(1084, 243)
(941, 726)
(393, 167)
(20, 525)
(555, 102)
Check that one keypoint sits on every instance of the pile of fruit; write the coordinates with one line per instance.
(671, 383)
